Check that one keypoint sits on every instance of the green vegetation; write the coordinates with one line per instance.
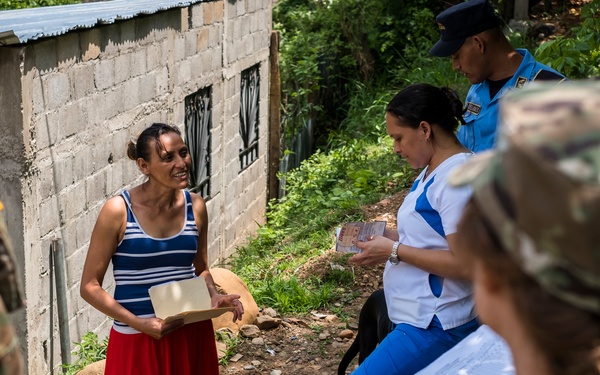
(328, 188)
(341, 62)
(577, 56)
(88, 351)
(231, 341)
(20, 4)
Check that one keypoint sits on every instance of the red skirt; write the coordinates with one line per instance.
(189, 350)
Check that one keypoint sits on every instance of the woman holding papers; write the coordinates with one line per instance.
(429, 303)
(531, 231)
(154, 233)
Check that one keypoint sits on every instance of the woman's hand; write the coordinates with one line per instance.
(375, 250)
(229, 300)
(156, 328)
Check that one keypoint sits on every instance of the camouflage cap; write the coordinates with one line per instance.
(540, 188)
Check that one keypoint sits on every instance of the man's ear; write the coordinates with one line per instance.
(143, 166)
(479, 43)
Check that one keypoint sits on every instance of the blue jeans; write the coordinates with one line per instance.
(407, 349)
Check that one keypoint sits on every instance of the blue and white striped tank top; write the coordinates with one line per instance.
(142, 261)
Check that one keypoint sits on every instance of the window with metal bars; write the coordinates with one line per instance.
(198, 119)
(250, 82)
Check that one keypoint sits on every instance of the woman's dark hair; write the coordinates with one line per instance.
(568, 336)
(424, 102)
(150, 137)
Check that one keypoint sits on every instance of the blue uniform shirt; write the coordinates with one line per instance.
(481, 116)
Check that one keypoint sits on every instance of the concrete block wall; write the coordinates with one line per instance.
(75, 101)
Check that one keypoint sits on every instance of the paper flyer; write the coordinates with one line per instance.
(186, 299)
(350, 233)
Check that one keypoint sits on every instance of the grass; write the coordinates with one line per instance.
(326, 190)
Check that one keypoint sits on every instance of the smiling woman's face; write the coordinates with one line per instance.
(170, 164)
(409, 143)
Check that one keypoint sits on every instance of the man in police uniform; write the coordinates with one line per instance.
(470, 33)
(11, 362)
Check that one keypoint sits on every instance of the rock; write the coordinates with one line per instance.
(346, 334)
(236, 357)
(258, 341)
(353, 326)
(221, 349)
(250, 331)
(331, 318)
(267, 322)
(255, 363)
(96, 368)
(275, 372)
(229, 283)
(270, 312)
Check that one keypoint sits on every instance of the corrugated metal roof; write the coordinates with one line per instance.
(23, 25)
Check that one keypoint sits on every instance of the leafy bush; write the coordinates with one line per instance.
(20, 4)
(88, 351)
(577, 56)
(328, 188)
(327, 46)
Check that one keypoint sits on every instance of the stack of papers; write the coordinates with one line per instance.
(186, 299)
(483, 352)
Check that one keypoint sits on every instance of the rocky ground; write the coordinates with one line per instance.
(312, 344)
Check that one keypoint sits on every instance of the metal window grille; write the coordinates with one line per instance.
(249, 95)
(198, 119)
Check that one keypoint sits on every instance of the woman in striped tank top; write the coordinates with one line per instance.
(154, 233)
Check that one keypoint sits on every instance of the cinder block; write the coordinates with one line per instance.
(249, 44)
(240, 7)
(202, 39)
(215, 36)
(153, 57)
(46, 58)
(37, 95)
(147, 88)
(82, 79)
(127, 39)
(139, 62)
(253, 19)
(90, 44)
(95, 188)
(213, 12)
(63, 172)
(245, 25)
(197, 15)
(144, 30)
(131, 89)
(122, 67)
(110, 38)
(162, 82)
(57, 89)
(48, 219)
(178, 51)
(68, 50)
(104, 74)
(184, 73)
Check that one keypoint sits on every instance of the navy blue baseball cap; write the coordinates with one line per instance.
(460, 22)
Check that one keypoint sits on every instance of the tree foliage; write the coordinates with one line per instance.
(327, 45)
(21, 4)
(576, 56)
